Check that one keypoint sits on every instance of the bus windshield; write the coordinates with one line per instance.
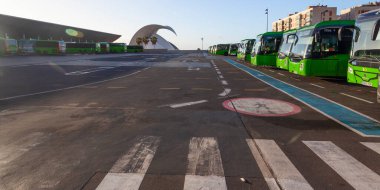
(303, 45)
(365, 47)
(286, 45)
(329, 44)
(222, 47)
(270, 44)
(233, 47)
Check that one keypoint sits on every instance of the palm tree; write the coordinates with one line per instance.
(153, 39)
(139, 41)
(145, 40)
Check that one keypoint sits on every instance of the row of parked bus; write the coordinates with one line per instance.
(54, 47)
(342, 48)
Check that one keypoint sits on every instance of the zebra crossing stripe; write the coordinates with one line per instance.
(354, 172)
(286, 174)
(129, 171)
(205, 170)
(269, 179)
(373, 146)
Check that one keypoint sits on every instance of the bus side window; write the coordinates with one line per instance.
(375, 31)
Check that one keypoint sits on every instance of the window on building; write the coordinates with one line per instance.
(330, 13)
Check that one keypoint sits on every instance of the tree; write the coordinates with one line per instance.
(145, 40)
(139, 41)
(153, 39)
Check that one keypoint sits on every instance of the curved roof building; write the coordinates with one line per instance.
(150, 31)
(19, 28)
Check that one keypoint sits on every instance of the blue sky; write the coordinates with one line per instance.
(218, 21)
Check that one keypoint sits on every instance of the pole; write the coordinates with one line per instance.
(267, 13)
(202, 43)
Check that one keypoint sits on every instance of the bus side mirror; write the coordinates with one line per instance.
(375, 30)
(317, 37)
(295, 38)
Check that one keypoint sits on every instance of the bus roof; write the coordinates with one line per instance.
(271, 34)
(369, 16)
(291, 31)
(330, 23)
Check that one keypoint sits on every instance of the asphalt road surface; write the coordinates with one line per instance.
(181, 121)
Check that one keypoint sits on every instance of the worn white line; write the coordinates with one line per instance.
(218, 72)
(278, 74)
(187, 104)
(286, 174)
(72, 87)
(87, 71)
(316, 85)
(224, 82)
(271, 71)
(373, 146)
(128, 172)
(170, 88)
(272, 184)
(221, 76)
(354, 172)
(205, 170)
(225, 92)
(193, 182)
(354, 97)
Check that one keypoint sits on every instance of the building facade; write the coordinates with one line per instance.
(353, 12)
(312, 15)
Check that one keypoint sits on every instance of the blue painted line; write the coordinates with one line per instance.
(355, 121)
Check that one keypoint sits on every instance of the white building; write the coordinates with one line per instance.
(148, 32)
(353, 12)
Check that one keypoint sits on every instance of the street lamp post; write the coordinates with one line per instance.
(202, 42)
(267, 13)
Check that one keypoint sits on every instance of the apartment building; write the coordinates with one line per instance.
(310, 16)
(354, 12)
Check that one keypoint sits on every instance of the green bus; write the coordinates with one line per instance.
(222, 49)
(135, 49)
(245, 49)
(82, 48)
(26, 46)
(288, 38)
(363, 67)
(118, 48)
(102, 47)
(266, 48)
(8, 46)
(49, 47)
(213, 49)
(233, 49)
(322, 49)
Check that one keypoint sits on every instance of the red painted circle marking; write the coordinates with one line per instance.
(261, 107)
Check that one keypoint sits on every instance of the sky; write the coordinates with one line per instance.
(217, 21)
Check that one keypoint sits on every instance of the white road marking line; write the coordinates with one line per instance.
(225, 92)
(219, 73)
(204, 182)
(344, 94)
(317, 85)
(284, 171)
(278, 74)
(295, 79)
(224, 82)
(193, 69)
(90, 87)
(87, 71)
(187, 104)
(129, 171)
(271, 71)
(72, 87)
(350, 169)
(272, 184)
(221, 76)
(373, 146)
(204, 152)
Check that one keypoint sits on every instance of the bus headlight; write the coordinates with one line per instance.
(301, 66)
(350, 70)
